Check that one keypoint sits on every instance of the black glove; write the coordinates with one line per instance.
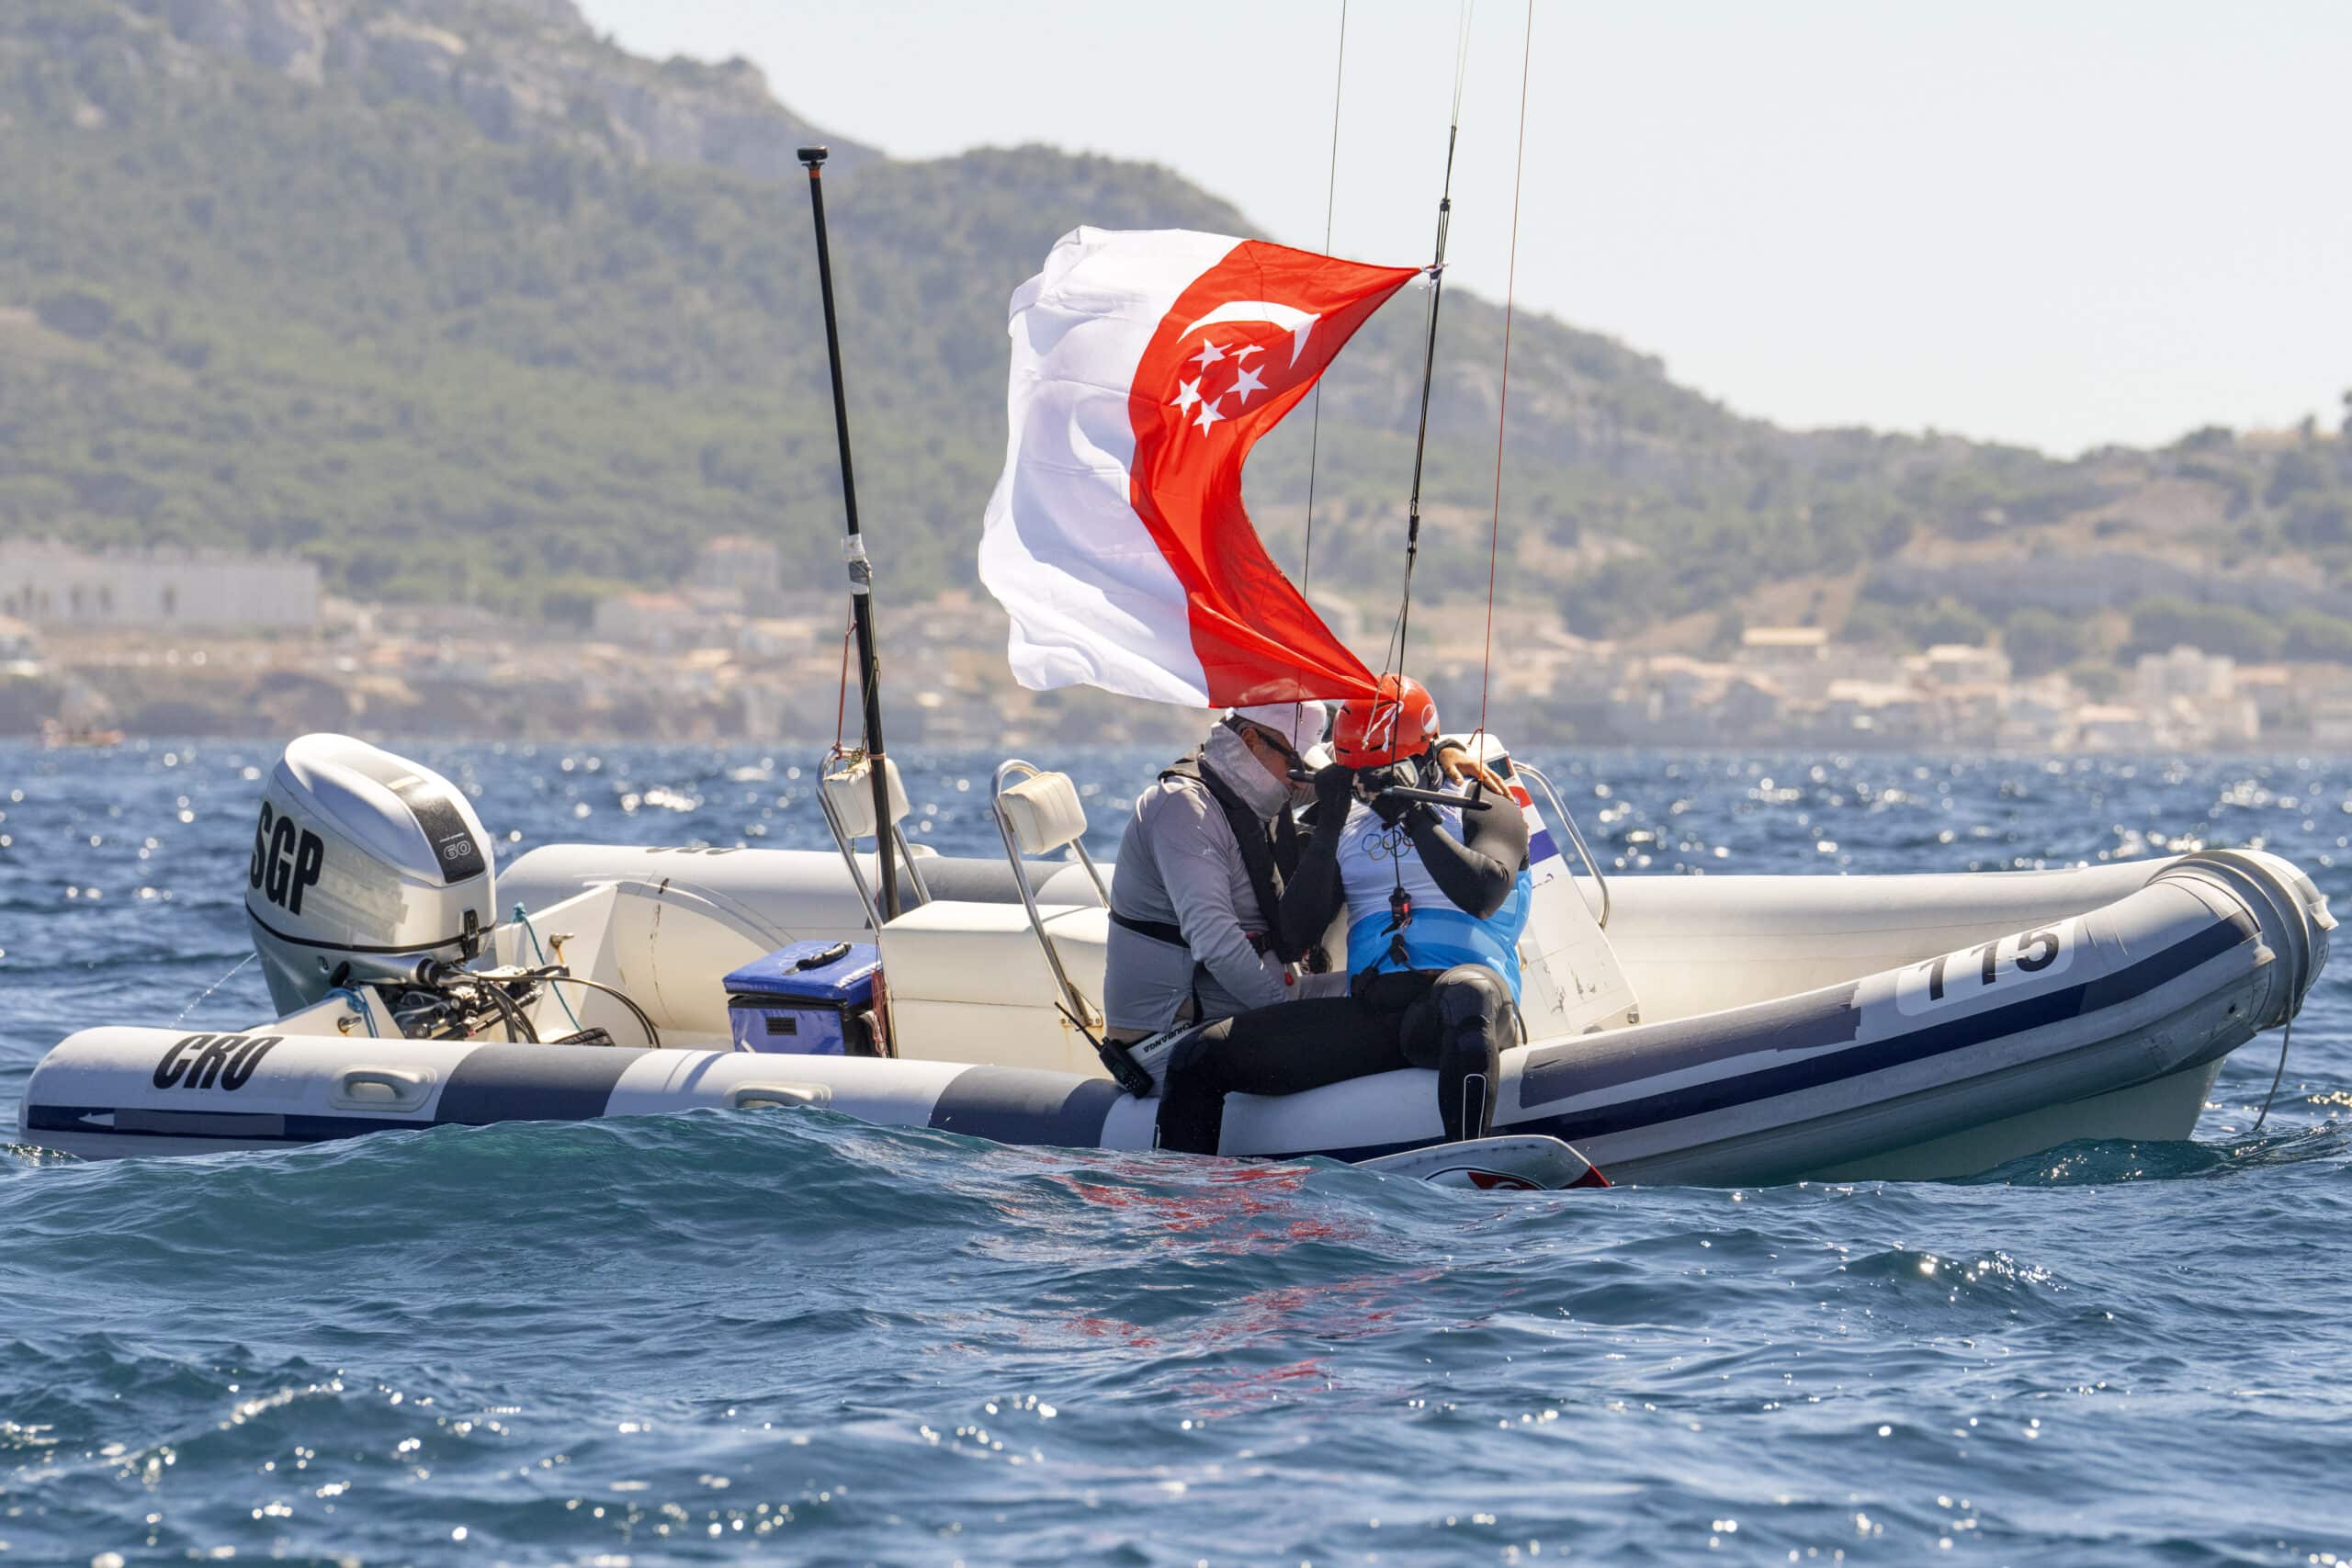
(1335, 787)
(1391, 807)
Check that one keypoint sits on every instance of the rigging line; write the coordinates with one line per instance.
(841, 709)
(1502, 409)
(1331, 195)
(1461, 55)
(523, 918)
(1429, 349)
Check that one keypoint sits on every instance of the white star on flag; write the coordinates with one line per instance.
(1241, 354)
(1248, 381)
(1208, 414)
(1187, 396)
(1210, 354)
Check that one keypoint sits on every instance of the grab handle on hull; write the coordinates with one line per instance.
(381, 1088)
(779, 1096)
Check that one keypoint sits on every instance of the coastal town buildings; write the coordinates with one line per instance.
(51, 585)
(731, 653)
(1799, 686)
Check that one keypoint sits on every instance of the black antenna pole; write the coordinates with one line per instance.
(1429, 372)
(1428, 351)
(861, 570)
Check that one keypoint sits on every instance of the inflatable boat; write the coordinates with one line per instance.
(1709, 1029)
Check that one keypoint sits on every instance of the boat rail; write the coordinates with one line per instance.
(1575, 834)
(1081, 1010)
(842, 838)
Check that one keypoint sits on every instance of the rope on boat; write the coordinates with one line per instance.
(652, 1034)
(523, 918)
(840, 708)
(1330, 199)
(197, 1001)
(1502, 411)
(359, 1006)
(2286, 1039)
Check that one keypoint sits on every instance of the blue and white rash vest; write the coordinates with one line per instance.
(1371, 859)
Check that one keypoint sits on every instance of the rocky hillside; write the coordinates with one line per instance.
(520, 71)
(470, 305)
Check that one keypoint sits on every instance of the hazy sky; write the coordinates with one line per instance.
(2054, 224)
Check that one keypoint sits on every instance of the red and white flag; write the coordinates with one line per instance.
(1145, 366)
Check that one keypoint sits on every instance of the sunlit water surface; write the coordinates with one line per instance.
(667, 1339)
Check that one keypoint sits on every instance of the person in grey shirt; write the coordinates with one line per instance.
(1198, 884)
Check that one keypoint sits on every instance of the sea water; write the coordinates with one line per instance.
(724, 1334)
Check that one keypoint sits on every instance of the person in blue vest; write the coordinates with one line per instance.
(1435, 898)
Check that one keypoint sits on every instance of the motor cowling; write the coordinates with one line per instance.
(365, 866)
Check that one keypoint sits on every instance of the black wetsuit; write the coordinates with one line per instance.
(1457, 1020)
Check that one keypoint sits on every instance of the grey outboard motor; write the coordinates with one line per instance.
(365, 866)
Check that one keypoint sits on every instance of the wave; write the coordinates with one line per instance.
(2105, 1162)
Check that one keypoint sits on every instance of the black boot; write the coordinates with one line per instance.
(1191, 1095)
(1474, 1013)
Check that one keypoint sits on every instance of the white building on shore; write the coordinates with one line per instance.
(20, 650)
(747, 573)
(51, 585)
(2195, 695)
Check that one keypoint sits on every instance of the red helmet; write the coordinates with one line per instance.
(1397, 722)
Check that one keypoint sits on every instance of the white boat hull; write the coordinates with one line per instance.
(2105, 1021)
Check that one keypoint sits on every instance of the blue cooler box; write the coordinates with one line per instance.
(801, 999)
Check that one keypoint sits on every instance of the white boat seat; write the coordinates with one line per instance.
(845, 795)
(1039, 813)
(1044, 812)
(849, 791)
(947, 951)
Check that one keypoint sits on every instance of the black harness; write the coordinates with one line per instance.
(1269, 857)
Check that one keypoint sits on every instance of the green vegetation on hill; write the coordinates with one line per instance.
(454, 357)
(258, 312)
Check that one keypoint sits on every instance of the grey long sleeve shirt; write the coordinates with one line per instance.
(1179, 865)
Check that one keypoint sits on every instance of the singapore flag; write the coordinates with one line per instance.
(1145, 368)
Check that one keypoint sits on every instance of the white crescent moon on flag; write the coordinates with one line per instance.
(1297, 322)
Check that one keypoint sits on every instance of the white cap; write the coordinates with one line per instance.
(1301, 724)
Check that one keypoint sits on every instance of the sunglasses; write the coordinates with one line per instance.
(1282, 747)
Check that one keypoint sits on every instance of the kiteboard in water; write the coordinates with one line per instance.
(1517, 1162)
